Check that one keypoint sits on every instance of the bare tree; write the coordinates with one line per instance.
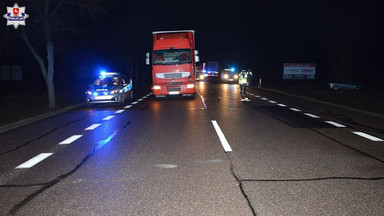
(51, 25)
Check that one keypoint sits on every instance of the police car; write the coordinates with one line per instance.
(110, 87)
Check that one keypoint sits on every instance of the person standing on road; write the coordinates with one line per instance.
(243, 82)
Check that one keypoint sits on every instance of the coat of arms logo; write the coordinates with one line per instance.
(16, 16)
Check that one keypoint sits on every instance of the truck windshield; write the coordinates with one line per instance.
(172, 56)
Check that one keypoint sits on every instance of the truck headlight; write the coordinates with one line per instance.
(156, 87)
(190, 86)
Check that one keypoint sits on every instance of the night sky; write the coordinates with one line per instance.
(264, 34)
(260, 35)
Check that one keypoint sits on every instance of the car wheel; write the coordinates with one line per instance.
(335, 88)
(122, 99)
(131, 95)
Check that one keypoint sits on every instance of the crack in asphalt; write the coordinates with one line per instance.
(239, 181)
(231, 164)
(43, 135)
(53, 182)
(350, 121)
(347, 146)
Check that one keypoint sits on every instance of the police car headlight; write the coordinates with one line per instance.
(113, 91)
(88, 92)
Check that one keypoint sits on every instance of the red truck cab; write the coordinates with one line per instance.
(173, 63)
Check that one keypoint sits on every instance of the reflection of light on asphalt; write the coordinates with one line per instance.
(201, 86)
(102, 143)
(225, 86)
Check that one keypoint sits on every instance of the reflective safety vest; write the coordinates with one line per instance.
(243, 78)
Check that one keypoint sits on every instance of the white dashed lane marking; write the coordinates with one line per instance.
(335, 124)
(294, 109)
(282, 105)
(223, 140)
(70, 140)
(367, 136)
(119, 111)
(42, 156)
(108, 118)
(33, 161)
(135, 102)
(92, 127)
(311, 115)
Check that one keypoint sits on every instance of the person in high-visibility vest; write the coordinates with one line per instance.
(243, 82)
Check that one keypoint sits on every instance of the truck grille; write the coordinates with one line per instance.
(172, 75)
(174, 89)
(173, 83)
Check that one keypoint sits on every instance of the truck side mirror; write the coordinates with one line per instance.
(197, 58)
(147, 58)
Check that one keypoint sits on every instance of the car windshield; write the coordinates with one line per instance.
(106, 81)
(172, 56)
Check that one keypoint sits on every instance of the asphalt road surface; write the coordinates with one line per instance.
(212, 155)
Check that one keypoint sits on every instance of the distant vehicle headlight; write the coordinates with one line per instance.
(201, 76)
(236, 76)
(226, 76)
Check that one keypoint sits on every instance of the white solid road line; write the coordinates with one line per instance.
(335, 124)
(92, 127)
(70, 140)
(294, 109)
(120, 111)
(108, 118)
(128, 106)
(223, 140)
(311, 115)
(370, 137)
(35, 160)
